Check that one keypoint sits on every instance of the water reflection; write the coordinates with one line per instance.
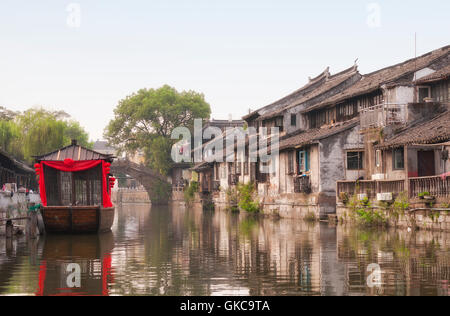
(164, 251)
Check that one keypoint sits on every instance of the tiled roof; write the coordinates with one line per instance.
(441, 74)
(202, 166)
(314, 135)
(373, 81)
(306, 89)
(103, 147)
(9, 162)
(436, 130)
(74, 152)
(330, 83)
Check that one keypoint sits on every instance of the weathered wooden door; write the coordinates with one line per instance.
(426, 163)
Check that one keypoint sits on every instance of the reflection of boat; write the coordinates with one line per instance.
(92, 253)
(75, 188)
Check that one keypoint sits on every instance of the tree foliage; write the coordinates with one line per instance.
(38, 131)
(145, 120)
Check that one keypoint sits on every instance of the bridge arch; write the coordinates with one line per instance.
(156, 185)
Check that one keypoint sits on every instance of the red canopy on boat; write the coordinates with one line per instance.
(69, 165)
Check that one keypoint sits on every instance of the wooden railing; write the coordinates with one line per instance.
(383, 115)
(370, 187)
(357, 187)
(436, 186)
(391, 186)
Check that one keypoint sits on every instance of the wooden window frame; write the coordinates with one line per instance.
(394, 165)
(307, 165)
(291, 163)
(294, 120)
(360, 158)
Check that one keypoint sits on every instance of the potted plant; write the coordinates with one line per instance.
(423, 195)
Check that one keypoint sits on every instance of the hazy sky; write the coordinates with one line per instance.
(240, 53)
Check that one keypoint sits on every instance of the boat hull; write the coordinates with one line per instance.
(77, 219)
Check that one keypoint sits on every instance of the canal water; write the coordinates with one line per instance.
(174, 251)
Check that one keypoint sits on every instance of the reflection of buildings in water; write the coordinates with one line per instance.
(260, 254)
(332, 271)
(191, 252)
(92, 253)
(412, 264)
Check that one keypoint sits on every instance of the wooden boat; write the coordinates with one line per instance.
(77, 219)
(75, 187)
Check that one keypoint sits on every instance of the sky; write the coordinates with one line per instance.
(85, 56)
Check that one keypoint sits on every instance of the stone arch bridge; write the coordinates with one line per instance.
(156, 185)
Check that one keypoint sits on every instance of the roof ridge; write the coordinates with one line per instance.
(410, 60)
(72, 145)
(323, 75)
(348, 71)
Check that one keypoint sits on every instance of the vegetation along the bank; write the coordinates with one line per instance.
(38, 131)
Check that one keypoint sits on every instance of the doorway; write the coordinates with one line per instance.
(426, 163)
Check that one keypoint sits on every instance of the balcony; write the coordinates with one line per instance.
(382, 115)
(389, 189)
(302, 185)
(372, 189)
(436, 186)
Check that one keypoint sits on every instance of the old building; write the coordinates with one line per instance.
(406, 136)
(331, 127)
(300, 182)
(213, 175)
(339, 132)
(15, 174)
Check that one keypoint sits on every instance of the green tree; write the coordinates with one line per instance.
(38, 131)
(10, 138)
(145, 120)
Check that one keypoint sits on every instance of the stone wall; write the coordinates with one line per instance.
(130, 196)
(292, 206)
(15, 206)
(423, 219)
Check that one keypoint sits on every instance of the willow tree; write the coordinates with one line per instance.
(145, 120)
(38, 131)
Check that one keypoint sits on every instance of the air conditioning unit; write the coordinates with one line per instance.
(378, 176)
(385, 196)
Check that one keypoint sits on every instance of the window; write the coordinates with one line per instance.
(224, 171)
(246, 168)
(441, 91)
(398, 155)
(66, 188)
(290, 168)
(424, 92)
(355, 160)
(238, 168)
(246, 160)
(294, 120)
(279, 123)
(217, 172)
(303, 161)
